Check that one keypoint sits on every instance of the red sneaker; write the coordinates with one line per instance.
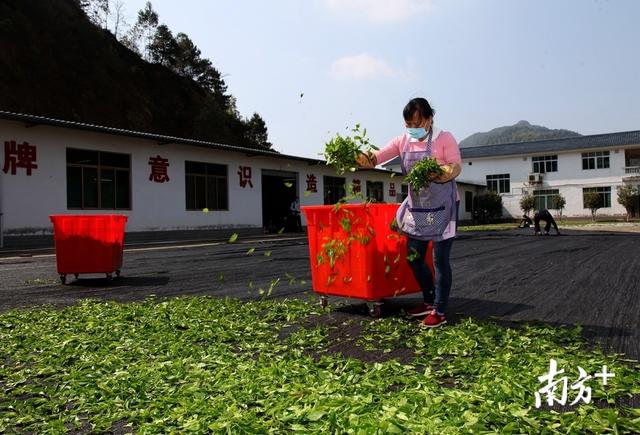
(433, 320)
(420, 310)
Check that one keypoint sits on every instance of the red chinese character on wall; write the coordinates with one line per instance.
(245, 176)
(392, 189)
(312, 183)
(158, 169)
(19, 156)
(357, 186)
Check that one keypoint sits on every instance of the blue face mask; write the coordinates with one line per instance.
(417, 133)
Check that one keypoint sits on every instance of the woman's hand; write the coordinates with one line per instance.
(367, 161)
(450, 171)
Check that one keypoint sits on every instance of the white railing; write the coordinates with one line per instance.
(632, 170)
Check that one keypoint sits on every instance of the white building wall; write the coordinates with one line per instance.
(23, 198)
(27, 201)
(570, 179)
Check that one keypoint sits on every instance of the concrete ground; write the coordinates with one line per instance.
(581, 277)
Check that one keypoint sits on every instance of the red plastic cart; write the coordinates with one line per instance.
(88, 244)
(356, 254)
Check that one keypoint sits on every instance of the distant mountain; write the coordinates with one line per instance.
(522, 131)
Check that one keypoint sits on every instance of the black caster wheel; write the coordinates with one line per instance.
(117, 273)
(63, 279)
(324, 301)
(76, 275)
(375, 310)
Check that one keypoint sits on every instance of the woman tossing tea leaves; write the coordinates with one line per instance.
(429, 212)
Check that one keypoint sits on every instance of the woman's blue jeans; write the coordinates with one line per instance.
(438, 294)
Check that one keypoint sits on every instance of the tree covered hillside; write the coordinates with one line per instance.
(80, 61)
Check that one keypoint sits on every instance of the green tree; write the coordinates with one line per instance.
(211, 79)
(215, 124)
(527, 203)
(146, 26)
(218, 118)
(189, 63)
(140, 36)
(256, 131)
(557, 203)
(188, 57)
(232, 107)
(592, 201)
(628, 197)
(164, 48)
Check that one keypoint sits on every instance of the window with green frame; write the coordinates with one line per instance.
(603, 191)
(543, 198)
(544, 164)
(98, 180)
(595, 160)
(499, 183)
(206, 186)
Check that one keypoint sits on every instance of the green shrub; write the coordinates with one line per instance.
(488, 206)
(628, 198)
(527, 203)
(557, 203)
(593, 202)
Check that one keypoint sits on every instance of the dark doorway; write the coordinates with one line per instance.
(375, 191)
(278, 192)
(334, 189)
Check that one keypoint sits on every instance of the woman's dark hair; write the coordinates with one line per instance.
(420, 105)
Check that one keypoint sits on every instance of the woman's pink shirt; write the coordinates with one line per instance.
(444, 149)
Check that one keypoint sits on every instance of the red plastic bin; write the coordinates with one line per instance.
(355, 253)
(88, 244)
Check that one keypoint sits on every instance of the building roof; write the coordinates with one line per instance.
(607, 140)
(460, 181)
(33, 120)
(393, 161)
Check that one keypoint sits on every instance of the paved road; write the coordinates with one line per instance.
(587, 278)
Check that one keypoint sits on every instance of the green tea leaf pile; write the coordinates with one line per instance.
(207, 365)
(422, 173)
(342, 151)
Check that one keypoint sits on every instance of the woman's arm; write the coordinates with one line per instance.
(451, 171)
(366, 161)
(390, 150)
(452, 158)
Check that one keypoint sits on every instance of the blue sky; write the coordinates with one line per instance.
(482, 64)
